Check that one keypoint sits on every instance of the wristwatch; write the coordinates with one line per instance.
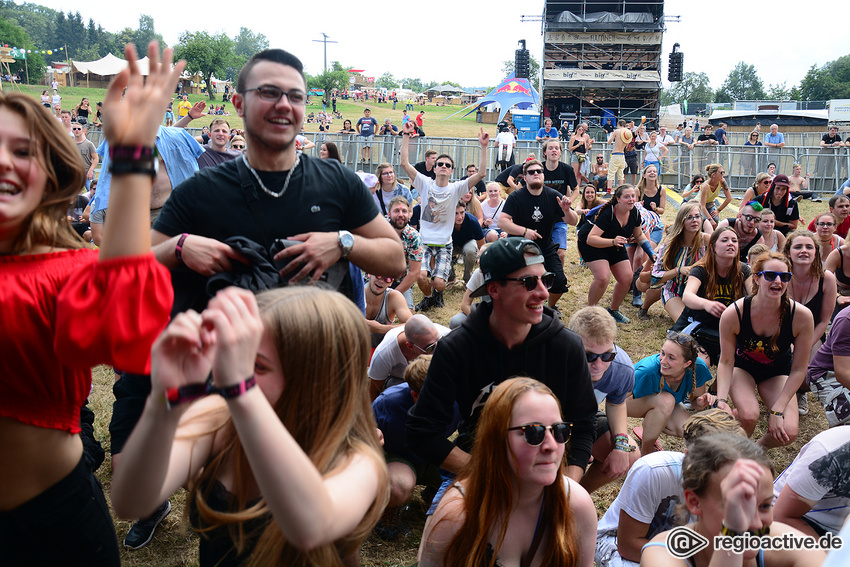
(346, 243)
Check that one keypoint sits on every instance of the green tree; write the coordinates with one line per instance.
(15, 36)
(694, 88)
(743, 83)
(779, 91)
(205, 54)
(387, 81)
(533, 70)
(830, 81)
(37, 21)
(415, 85)
(246, 44)
(334, 78)
(146, 33)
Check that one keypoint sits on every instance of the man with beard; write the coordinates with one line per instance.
(399, 208)
(216, 151)
(383, 306)
(746, 227)
(531, 212)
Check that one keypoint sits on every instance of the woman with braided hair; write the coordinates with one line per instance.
(755, 352)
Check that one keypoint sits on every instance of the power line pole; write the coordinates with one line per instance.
(326, 41)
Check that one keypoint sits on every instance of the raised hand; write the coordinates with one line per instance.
(182, 354)
(133, 119)
(235, 329)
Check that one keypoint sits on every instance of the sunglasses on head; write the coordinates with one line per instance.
(445, 164)
(605, 356)
(680, 338)
(535, 433)
(530, 282)
(770, 275)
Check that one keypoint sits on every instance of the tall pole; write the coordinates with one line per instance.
(326, 41)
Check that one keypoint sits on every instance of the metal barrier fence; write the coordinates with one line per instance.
(828, 167)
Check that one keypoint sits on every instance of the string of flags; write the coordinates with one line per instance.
(21, 53)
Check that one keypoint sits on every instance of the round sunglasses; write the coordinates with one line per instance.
(535, 433)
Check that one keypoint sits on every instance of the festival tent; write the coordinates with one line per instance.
(511, 92)
(107, 66)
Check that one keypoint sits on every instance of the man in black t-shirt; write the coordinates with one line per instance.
(511, 179)
(426, 167)
(531, 212)
(832, 139)
(707, 138)
(480, 187)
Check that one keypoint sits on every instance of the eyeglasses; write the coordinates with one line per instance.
(750, 218)
(605, 356)
(387, 173)
(445, 164)
(825, 224)
(770, 275)
(680, 338)
(694, 217)
(530, 282)
(270, 93)
(428, 349)
(534, 172)
(535, 433)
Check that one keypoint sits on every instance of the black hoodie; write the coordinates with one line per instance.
(469, 362)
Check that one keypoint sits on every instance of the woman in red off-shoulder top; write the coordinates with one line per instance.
(67, 308)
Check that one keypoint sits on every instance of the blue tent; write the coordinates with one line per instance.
(509, 93)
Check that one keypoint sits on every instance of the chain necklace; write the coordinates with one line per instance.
(260, 181)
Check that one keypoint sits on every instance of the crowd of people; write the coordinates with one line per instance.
(224, 359)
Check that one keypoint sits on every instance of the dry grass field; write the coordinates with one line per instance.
(174, 544)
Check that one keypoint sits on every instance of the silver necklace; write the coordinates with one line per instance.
(260, 181)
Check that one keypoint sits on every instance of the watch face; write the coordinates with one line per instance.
(346, 239)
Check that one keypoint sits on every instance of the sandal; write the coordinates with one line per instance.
(638, 433)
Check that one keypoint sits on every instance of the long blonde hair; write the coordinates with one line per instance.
(323, 344)
(489, 483)
(675, 239)
(57, 154)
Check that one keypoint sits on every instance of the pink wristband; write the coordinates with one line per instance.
(178, 250)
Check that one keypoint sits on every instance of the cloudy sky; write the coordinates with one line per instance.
(465, 43)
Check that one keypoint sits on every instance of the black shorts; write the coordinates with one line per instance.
(131, 393)
(613, 254)
(781, 366)
(602, 426)
(67, 524)
(552, 263)
(632, 165)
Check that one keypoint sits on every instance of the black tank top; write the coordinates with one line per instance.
(839, 273)
(757, 348)
(647, 201)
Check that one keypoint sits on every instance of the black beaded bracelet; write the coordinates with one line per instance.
(192, 392)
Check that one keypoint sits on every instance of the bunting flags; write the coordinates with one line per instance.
(21, 53)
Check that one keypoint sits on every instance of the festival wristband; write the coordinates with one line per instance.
(230, 392)
(191, 392)
(178, 249)
(724, 531)
(777, 413)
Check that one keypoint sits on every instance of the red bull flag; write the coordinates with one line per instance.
(512, 92)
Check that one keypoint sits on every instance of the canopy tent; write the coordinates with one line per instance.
(108, 65)
(511, 92)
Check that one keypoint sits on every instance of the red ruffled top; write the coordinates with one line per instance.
(65, 312)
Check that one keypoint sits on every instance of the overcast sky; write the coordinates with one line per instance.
(465, 43)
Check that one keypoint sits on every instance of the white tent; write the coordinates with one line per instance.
(107, 66)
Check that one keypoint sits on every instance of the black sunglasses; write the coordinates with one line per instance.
(445, 164)
(680, 338)
(534, 172)
(535, 433)
(605, 356)
(770, 275)
(530, 282)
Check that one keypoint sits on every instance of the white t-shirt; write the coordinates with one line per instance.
(388, 360)
(437, 209)
(668, 139)
(818, 473)
(492, 212)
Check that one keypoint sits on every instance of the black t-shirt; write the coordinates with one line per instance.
(420, 167)
(414, 217)
(831, 139)
(513, 171)
(469, 230)
(783, 212)
(480, 187)
(723, 293)
(562, 177)
(607, 222)
(539, 212)
(323, 196)
(704, 137)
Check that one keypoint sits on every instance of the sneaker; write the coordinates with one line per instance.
(387, 527)
(643, 315)
(637, 300)
(802, 404)
(618, 317)
(816, 200)
(142, 531)
(438, 299)
(426, 303)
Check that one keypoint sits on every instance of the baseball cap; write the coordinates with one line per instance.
(781, 179)
(504, 257)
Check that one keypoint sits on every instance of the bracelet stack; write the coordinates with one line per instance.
(192, 392)
(621, 443)
(127, 160)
